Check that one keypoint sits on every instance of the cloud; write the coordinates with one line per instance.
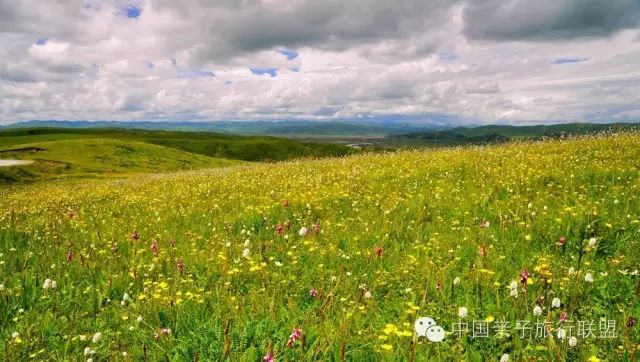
(462, 60)
(548, 19)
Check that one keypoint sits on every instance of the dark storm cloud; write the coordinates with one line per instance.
(548, 19)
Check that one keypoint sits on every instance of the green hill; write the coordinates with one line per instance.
(99, 157)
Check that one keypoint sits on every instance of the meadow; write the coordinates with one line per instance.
(333, 259)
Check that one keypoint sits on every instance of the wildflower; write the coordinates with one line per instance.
(268, 357)
(562, 334)
(367, 295)
(513, 289)
(456, 281)
(524, 278)
(1, 287)
(70, 256)
(572, 271)
(246, 252)
(247, 243)
(592, 242)
(462, 312)
(562, 241)
(54, 285)
(139, 319)
(126, 298)
(15, 335)
(588, 278)
(180, 266)
(537, 310)
(573, 341)
(484, 223)
(303, 231)
(555, 303)
(47, 283)
(504, 358)
(296, 334)
(313, 292)
(135, 236)
(165, 332)
(279, 229)
(563, 316)
(631, 322)
(316, 227)
(594, 358)
(285, 203)
(154, 246)
(379, 251)
(96, 337)
(172, 242)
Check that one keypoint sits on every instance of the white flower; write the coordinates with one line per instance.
(504, 358)
(286, 237)
(246, 243)
(139, 319)
(367, 294)
(124, 353)
(126, 298)
(572, 271)
(537, 310)
(277, 263)
(573, 341)
(47, 283)
(513, 289)
(303, 231)
(456, 281)
(592, 242)
(54, 285)
(246, 252)
(562, 334)
(462, 312)
(1, 287)
(555, 303)
(96, 337)
(15, 335)
(588, 278)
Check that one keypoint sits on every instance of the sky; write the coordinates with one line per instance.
(462, 61)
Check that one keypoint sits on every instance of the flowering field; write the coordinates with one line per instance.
(526, 251)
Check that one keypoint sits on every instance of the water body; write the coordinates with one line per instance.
(7, 163)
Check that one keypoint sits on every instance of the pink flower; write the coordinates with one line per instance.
(524, 278)
(135, 236)
(154, 247)
(296, 334)
(279, 229)
(70, 256)
(316, 227)
(180, 266)
(269, 357)
(563, 317)
(313, 292)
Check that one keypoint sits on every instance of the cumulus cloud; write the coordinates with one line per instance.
(490, 61)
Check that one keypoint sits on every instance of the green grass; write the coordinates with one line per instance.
(215, 265)
(98, 157)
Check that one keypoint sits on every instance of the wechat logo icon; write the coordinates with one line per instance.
(427, 327)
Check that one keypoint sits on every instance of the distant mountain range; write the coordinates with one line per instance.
(286, 128)
(389, 129)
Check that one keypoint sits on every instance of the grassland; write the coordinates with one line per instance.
(331, 259)
(61, 152)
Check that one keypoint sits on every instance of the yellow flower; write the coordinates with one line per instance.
(387, 347)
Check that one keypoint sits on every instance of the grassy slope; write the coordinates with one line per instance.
(499, 133)
(78, 157)
(424, 208)
(253, 148)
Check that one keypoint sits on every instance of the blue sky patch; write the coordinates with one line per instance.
(41, 41)
(260, 71)
(290, 54)
(132, 11)
(569, 60)
(195, 73)
(447, 56)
